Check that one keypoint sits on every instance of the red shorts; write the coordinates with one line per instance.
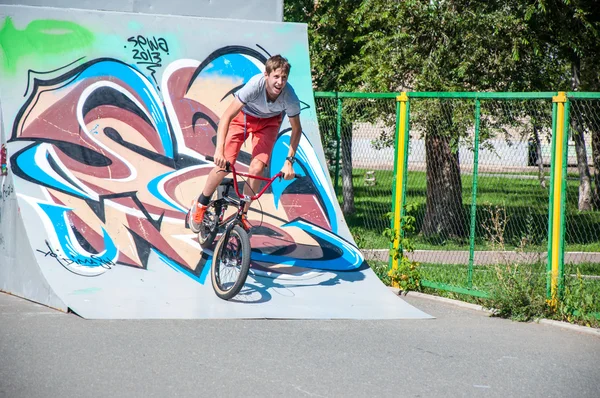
(264, 134)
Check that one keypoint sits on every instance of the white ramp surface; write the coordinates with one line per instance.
(107, 119)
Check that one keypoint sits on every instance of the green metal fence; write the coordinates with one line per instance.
(478, 179)
(356, 131)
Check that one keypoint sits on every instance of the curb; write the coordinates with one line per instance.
(570, 326)
(481, 257)
(457, 303)
(549, 322)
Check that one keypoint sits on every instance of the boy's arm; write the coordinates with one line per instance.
(288, 167)
(232, 110)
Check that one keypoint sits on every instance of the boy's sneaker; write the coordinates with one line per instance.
(196, 216)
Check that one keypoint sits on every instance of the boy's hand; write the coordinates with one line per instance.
(288, 170)
(220, 160)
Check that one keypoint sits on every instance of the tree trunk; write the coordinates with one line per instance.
(444, 215)
(596, 159)
(594, 126)
(585, 180)
(347, 186)
(540, 160)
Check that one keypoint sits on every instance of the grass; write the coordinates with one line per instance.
(518, 291)
(525, 202)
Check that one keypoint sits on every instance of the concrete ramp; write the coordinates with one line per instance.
(107, 119)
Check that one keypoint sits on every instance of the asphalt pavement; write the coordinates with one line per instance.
(461, 353)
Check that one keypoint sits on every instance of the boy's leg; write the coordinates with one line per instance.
(233, 143)
(200, 205)
(257, 167)
(263, 140)
(215, 177)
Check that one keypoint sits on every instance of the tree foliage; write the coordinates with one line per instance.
(451, 45)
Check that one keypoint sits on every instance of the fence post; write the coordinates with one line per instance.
(400, 165)
(339, 139)
(556, 216)
(474, 194)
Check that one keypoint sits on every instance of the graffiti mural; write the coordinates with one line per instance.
(40, 37)
(107, 120)
(120, 157)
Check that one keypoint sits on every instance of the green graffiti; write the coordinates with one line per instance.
(40, 37)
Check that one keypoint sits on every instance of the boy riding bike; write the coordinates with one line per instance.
(257, 109)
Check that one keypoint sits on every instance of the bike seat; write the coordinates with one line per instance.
(227, 181)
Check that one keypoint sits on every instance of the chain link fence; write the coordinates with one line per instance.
(359, 147)
(478, 186)
(582, 221)
(582, 207)
(478, 182)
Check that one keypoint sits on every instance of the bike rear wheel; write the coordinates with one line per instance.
(231, 263)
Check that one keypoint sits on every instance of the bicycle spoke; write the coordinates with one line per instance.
(231, 263)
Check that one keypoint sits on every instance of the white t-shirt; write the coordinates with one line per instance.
(254, 97)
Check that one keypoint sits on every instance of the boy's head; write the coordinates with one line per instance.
(278, 62)
(277, 70)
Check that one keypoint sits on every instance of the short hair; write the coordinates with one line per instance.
(276, 62)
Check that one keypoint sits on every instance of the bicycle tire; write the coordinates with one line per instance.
(207, 231)
(222, 261)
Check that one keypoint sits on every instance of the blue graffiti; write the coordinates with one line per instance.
(153, 189)
(201, 279)
(27, 162)
(231, 65)
(67, 242)
(137, 82)
(302, 165)
(351, 257)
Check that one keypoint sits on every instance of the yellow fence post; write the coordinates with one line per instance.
(557, 198)
(399, 171)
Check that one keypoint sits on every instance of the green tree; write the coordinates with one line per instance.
(332, 50)
(570, 30)
(453, 45)
(443, 46)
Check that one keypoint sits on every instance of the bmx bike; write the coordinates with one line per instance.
(231, 258)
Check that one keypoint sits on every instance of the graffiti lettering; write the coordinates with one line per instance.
(92, 261)
(148, 51)
(7, 191)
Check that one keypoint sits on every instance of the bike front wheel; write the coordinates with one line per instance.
(231, 263)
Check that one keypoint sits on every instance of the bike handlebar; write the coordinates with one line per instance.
(212, 159)
(229, 168)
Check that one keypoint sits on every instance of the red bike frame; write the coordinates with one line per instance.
(262, 191)
(231, 167)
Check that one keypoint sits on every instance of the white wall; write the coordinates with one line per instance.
(258, 10)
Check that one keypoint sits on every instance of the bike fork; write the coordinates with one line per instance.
(241, 213)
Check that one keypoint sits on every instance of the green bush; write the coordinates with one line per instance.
(381, 270)
(580, 302)
(407, 276)
(519, 294)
